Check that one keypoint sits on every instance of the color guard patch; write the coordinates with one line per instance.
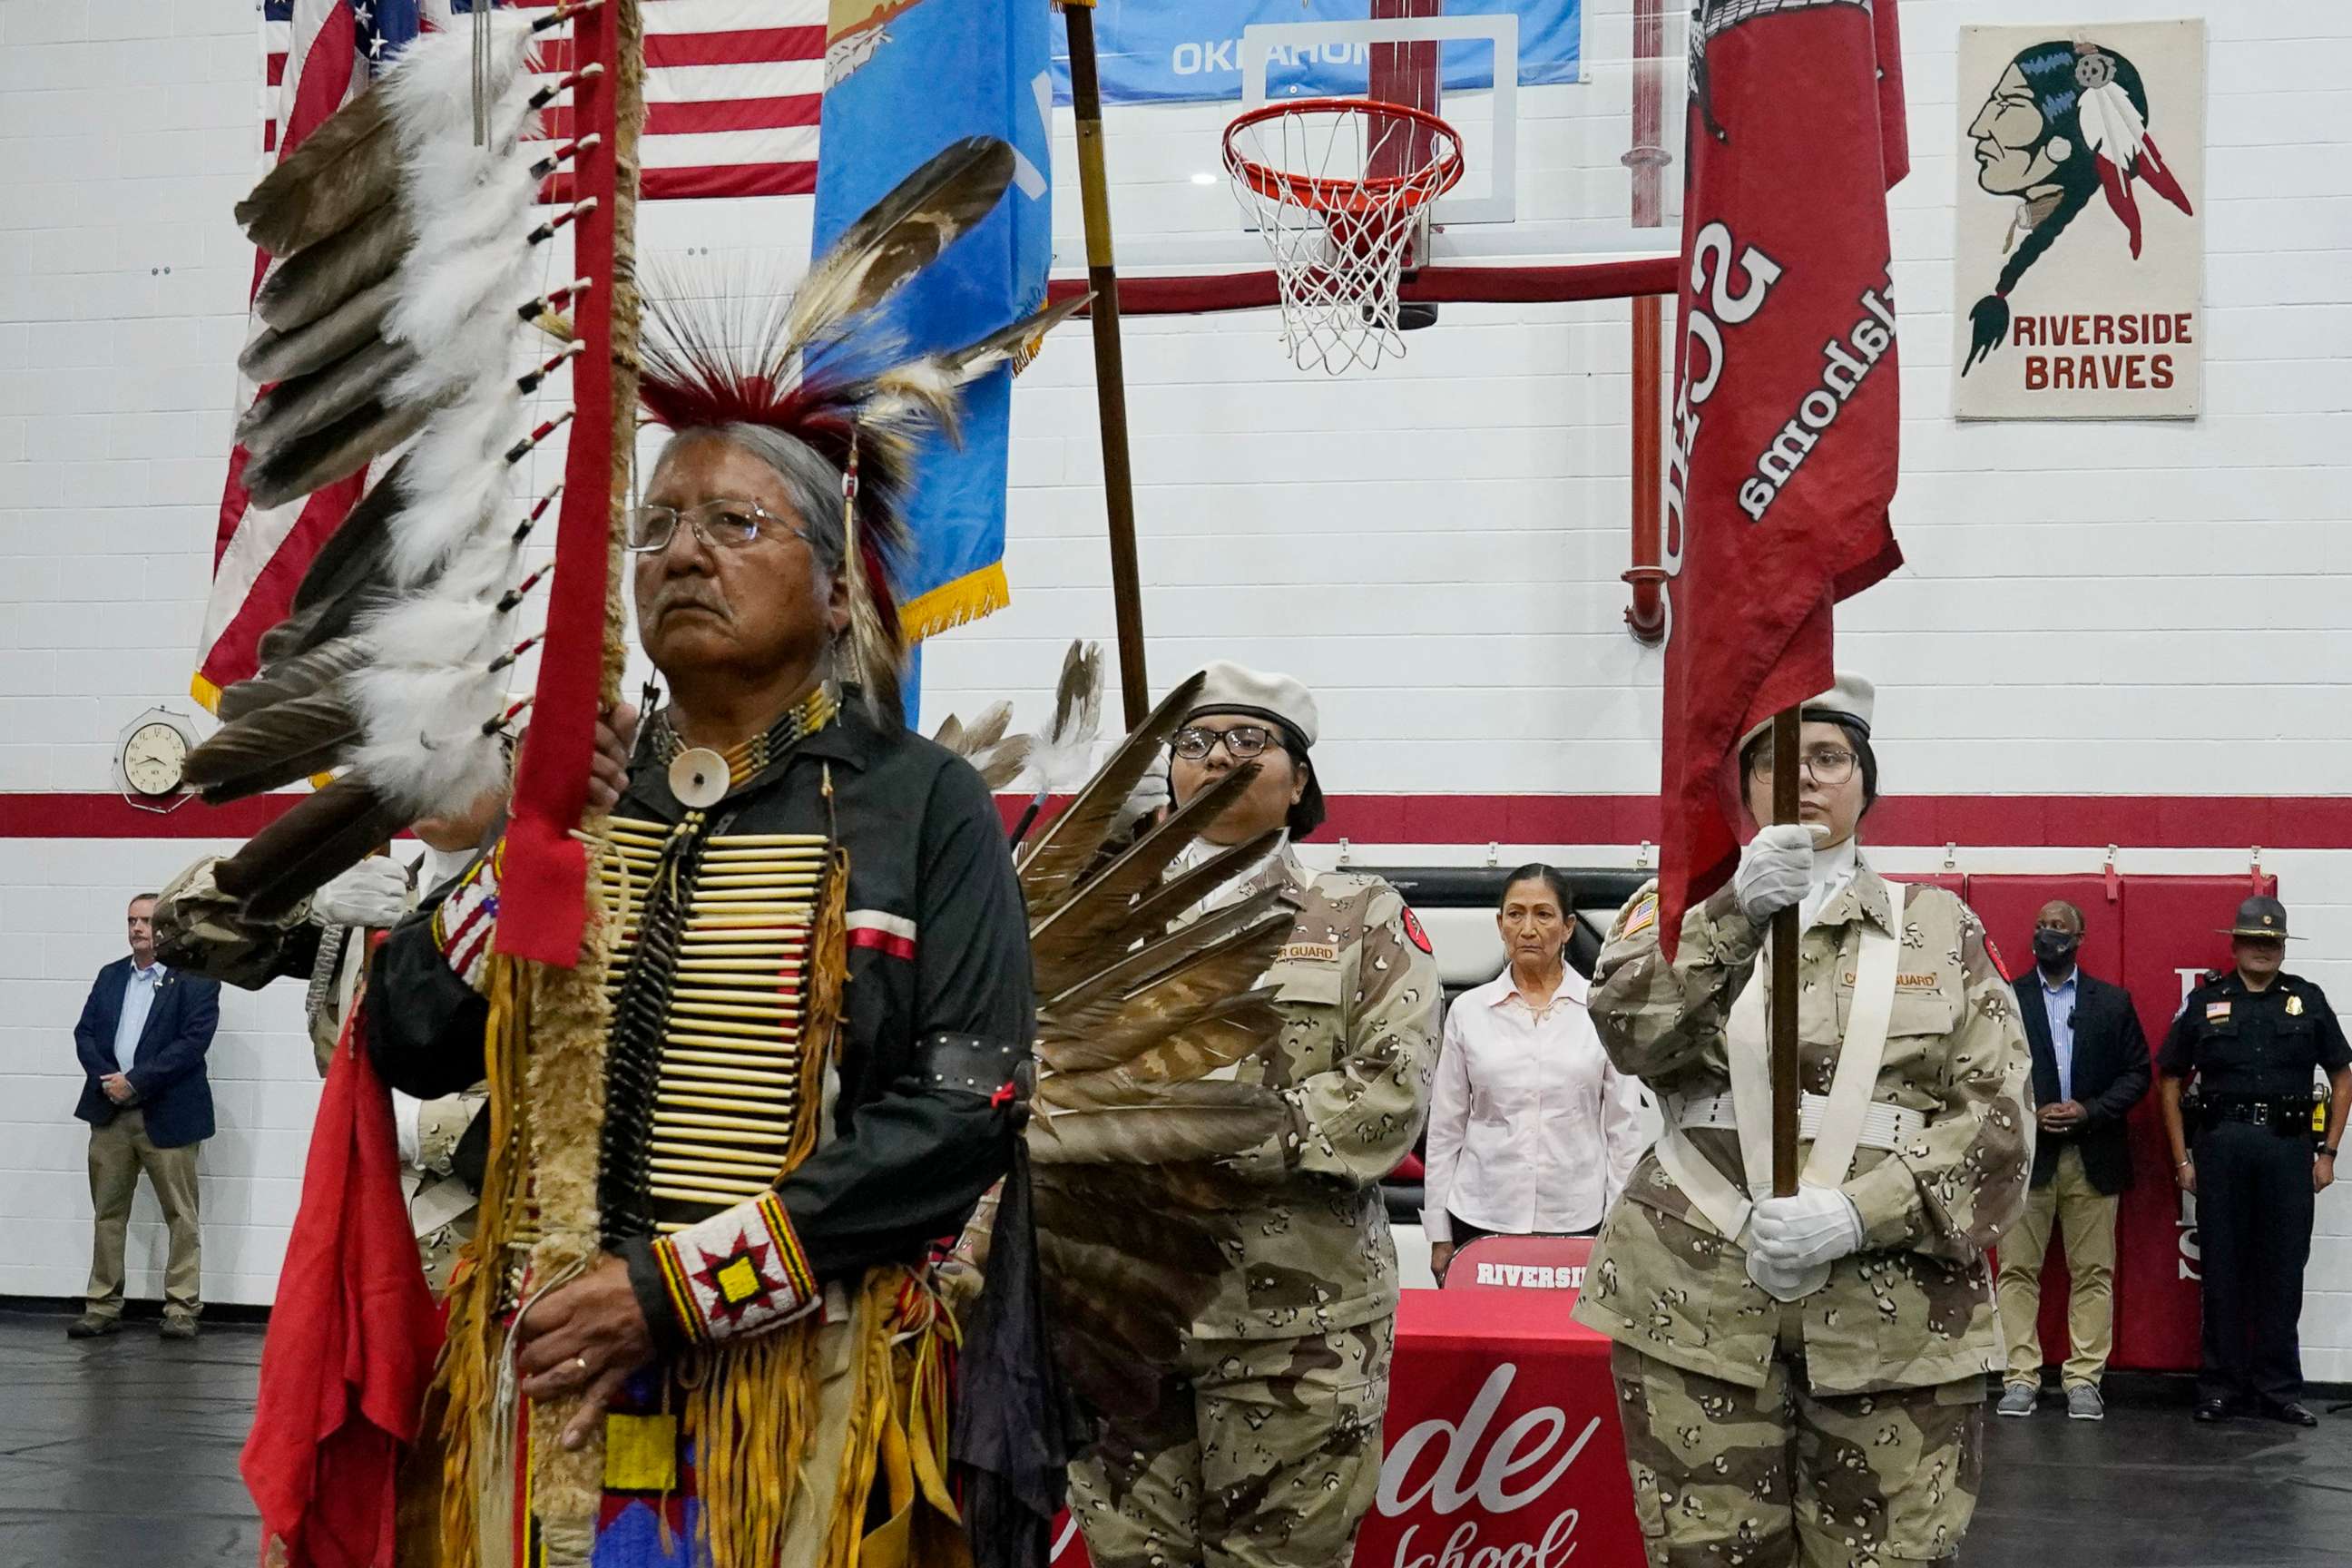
(1644, 915)
(1412, 930)
(1927, 981)
(1308, 952)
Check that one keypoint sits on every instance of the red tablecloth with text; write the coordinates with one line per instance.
(1503, 1449)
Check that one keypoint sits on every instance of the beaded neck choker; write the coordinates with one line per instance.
(749, 759)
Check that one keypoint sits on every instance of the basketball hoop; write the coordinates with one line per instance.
(1341, 188)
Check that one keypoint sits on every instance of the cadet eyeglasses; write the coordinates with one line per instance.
(720, 524)
(1828, 764)
(1242, 743)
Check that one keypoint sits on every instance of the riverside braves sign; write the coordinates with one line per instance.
(2079, 246)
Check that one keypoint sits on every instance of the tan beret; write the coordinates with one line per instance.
(1230, 688)
(1851, 697)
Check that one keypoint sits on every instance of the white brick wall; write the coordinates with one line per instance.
(2125, 609)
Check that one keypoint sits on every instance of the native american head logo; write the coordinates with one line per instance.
(2065, 122)
(1710, 20)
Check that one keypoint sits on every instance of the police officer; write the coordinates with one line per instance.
(2253, 1037)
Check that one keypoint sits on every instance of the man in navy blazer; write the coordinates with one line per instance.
(142, 1040)
(2090, 1066)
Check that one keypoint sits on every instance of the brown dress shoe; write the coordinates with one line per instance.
(179, 1328)
(93, 1326)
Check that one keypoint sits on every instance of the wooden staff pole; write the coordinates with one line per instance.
(1786, 935)
(1110, 373)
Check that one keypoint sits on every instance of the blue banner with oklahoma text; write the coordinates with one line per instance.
(906, 79)
(1152, 51)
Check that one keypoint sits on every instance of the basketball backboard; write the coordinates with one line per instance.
(1543, 94)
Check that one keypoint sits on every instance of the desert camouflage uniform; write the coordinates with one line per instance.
(1853, 1417)
(1266, 1447)
(435, 1188)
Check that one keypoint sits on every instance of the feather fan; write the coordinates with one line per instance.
(346, 168)
(308, 284)
(1066, 754)
(1050, 863)
(1148, 1029)
(320, 837)
(392, 313)
(998, 757)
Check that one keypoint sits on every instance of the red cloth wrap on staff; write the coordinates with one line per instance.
(543, 888)
(352, 1338)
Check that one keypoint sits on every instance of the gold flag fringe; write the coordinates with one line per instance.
(951, 604)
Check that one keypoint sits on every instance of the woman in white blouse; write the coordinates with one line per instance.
(1531, 1132)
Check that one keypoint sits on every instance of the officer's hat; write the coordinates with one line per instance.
(2260, 916)
(1853, 698)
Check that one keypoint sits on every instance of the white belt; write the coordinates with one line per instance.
(1884, 1126)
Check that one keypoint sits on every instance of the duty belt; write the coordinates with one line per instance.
(2286, 1114)
(1884, 1126)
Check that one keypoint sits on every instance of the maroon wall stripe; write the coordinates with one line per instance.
(2141, 821)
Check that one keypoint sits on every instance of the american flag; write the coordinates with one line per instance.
(732, 93)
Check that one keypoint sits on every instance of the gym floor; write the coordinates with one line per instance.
(124, 1450)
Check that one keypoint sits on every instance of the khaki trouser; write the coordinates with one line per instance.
(118, 1152)
(1781, 1477)
(1261, 1454)
(2085, 1218)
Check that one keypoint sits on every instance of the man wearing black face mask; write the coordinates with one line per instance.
(2090, 1067)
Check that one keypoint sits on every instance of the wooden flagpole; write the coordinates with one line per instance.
(1110, 372)
(567, 1011)
(1786, 935)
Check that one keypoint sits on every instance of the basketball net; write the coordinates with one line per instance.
(1339, 188)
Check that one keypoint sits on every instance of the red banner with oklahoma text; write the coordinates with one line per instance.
(1781, 453)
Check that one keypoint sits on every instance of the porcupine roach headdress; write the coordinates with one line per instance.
(406, 254)
(818, 366)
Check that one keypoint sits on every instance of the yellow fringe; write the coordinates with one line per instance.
(205, 692)
(749, 1417)
(869, 1413)
(467, 1372)
(951, 605)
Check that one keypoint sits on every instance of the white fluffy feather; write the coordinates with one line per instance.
(431, 92)
(426, 750)
(457, 472)
(425, 697)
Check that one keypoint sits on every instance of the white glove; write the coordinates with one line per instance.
(1785, 1284)
(1776, 869)
(374, 893)
(1790, 1236)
